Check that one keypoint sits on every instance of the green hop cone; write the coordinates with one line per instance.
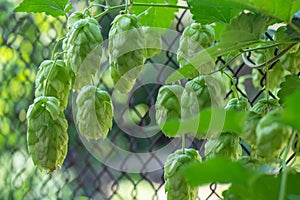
(194, 39)
(126, 51)
(83, 50)
(58, 82)
(200, 93)
(271, 136)
(226, 145)
(261, 108)
(73, 18)
(153, 41)
(238, 104)
(265, 105)
(168, 104)
(176, 185)
(94, 112)
(47, 137)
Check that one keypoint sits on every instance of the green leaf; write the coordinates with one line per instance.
(288, 87)
(266, 187)
(50, 7)
(291, 111)
(155, 16)
(218, 169)
(243, 31)
(209, 121)
(210, 11)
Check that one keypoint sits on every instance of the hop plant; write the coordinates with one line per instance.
(83, 49)
(168, 104)
(194, 39)
(53, 79)
(94, 112)
(126, 51)
(271, 136)
(200, 93)
(47, 137)
(153, 41)
(176, 185)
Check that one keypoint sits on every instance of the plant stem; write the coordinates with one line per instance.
(268, 62)
(131, 3)
(55, 47)
(183, 142)
(160, 5)
(233, 82)
(284, 172)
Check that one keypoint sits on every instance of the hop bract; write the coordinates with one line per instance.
(126, 51)
(94, 112)
(47, 137)
(176, 185)
(53, 79)
(194, 39)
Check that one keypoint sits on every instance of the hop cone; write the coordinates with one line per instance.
(83, 47)
(94, 112)
(47, 137)
(168, 104)
(226, 145)
(238, 104)
(271, 136)
(200, 93)
(194, 39)
(153, 41)
(126, 51)
(58, 81)
(175, 183)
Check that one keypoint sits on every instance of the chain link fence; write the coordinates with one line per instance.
(26, 40)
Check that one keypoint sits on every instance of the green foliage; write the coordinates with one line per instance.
(291, 112)
(50, 7)
(243, 31)
(289, 86)
(155, 16)
(153, 41)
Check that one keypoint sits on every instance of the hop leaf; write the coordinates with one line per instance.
(94, 112)
(168, 104)
(176, 185)
(194, 39)
(83, 47)
(153, 41)
(272, 136)
(53, 79)
(226, 145)
(47, 137)
(126, 51)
